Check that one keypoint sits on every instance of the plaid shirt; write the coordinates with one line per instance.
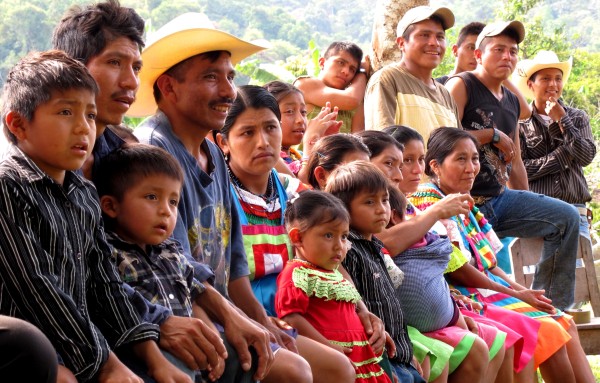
(161, 273)
(554, 160)
(55, 266)
(364, 262)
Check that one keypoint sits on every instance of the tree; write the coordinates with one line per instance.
(387, 15)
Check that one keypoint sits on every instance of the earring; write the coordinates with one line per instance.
(226, 157)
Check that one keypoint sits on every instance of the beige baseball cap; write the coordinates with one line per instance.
(418, 14)
(494, 29)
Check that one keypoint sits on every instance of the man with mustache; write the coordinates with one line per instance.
(405, 93)
(107, 39)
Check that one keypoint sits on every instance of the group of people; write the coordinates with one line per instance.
(236, 235)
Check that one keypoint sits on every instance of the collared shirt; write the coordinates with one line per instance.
(365, 264)
(208, 225)
(55, 266)
(554, 159)
(161, 273)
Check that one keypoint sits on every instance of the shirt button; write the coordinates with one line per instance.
(78, 255)
(171, 296)
(68, 204)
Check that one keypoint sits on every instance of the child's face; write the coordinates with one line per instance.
(61, 133)
(324, 245)
(293, 119)
(389, 161)
(370, 212)
(147, 213)
(339, 69)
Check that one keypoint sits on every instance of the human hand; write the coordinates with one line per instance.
(193, 342)
(554, 110)
(417, 365)
(390, 346)
(366, 65)
(282, 338)
(242, 332)
(114, 371)
(168, 373)
(453, 204)
(506, 146)
(471, 325)
(537, 299)
(374, 329)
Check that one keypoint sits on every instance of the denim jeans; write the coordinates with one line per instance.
(518, 213)
(406, 373)
(584, 225)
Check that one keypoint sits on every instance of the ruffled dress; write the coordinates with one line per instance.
(543, 334)
(328, 302)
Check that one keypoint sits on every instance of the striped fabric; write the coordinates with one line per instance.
(364, 262)
(554, 160)
(55, 266)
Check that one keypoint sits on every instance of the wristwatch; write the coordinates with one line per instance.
(496, 137)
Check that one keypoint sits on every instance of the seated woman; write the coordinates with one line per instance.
(251, 140)
(452, 162)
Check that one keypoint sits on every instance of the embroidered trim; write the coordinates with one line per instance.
(327, 285)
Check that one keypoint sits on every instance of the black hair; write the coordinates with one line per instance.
(441, 144)
(351, 179)
(377, 141)
(250, 96)
(127, 165)
(472, 29)
(329, 152)
(314, 207)
(403, 134)
(346, 46)
(281, 90)
(398, 201)
(34, 79)
(84, 31)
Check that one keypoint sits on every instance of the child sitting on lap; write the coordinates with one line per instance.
(139, 187)
(55, 265)
(312, 294)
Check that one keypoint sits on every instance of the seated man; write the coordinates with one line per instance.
(55, 265)
(556, 140)
(464, 50)
(341, 82)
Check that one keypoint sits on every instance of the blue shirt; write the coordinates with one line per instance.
(208, 225)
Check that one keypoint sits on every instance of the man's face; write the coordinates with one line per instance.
(499, 57)
(116, 70)
(204, 96)
(548, 83)
(339, 69)
(426, 46)
(465, 54)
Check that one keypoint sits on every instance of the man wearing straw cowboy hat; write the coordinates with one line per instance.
(556, 140)
(490, 112)
(186, 84)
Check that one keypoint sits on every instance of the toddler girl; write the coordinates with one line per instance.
(312, 294)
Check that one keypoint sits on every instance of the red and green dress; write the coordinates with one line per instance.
(328, 302)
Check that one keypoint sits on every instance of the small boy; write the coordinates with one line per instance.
(139, 187)
(364, 190)
(342, 82)
(55, 268)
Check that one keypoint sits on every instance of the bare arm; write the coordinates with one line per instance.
(403, 235)
(525, 107)
(317, 93)
(518, 175)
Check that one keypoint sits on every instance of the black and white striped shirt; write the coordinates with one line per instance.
(554, 160)
(55, 266)
(364, 262)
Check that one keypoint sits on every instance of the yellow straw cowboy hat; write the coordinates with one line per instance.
(542, 60)
(185, 36)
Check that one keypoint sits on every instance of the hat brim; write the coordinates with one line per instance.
(170, 50)
(527, 68)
